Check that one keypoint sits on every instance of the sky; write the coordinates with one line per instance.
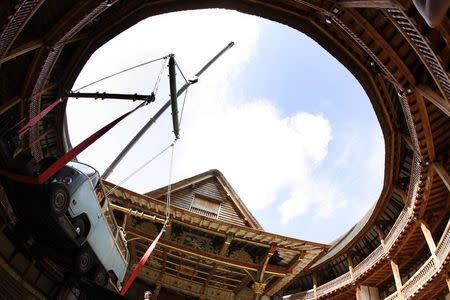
(287, 124)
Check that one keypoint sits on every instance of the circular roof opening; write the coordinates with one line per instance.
(286, 123)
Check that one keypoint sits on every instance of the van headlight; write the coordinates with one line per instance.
(67, 180)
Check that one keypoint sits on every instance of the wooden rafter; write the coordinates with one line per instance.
(275, 270)
(443, 174)
(22, 49)
(425, 121)
(434, 98)
(368, 4)
(381, 42)
(262, 269)
(24, 11)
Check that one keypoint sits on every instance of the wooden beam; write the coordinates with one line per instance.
(368, 4)
(273, 248)
(275, 270)
(17, 22)
(381, 42)
(9, 104)
(226, 244)
(434, 98)
(22, 49)
(440, 170)
(136, 213)
(425, 120)
(428, 237)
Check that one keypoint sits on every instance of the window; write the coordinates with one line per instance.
(205, 206)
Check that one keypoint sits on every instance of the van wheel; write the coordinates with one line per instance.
(59, 200)
(85, 260)
(101, 277)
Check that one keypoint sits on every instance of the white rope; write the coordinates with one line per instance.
(139, 169)
(169, 186)
(158, 80)
(182, 107)
(120, 72)
(179, 69)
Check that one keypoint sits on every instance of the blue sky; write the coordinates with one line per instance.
(287, 124)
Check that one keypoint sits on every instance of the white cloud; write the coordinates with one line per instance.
(260, 152)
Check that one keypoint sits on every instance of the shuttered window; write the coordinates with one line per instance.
(204, 206)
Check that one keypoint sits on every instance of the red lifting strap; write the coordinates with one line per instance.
(38, 117)
(63, 160)
(141, 263)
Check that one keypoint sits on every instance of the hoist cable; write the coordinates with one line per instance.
(169, 186)
(158, 79)
(182, 107)
(138, 170)
(120, 72)
(181, 72)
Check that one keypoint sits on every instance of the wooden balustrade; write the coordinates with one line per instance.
(369, 261)
(393, 296)
(443, 248)
(412, 286)
(307, 295)
(397, 228)
(419, 278)
(414, 180)
(334, 284)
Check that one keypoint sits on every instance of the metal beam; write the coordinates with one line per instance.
(158, 114)
(104, 95)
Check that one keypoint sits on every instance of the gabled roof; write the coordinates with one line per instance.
(227, 189)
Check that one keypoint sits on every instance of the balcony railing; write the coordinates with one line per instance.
(419, 278)
(369, 261)
(443, 248)
(398, 227)
(330, 286)
(427, 272)
(393, 296)
(308, 295)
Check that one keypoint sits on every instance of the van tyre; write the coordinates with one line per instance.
(85, 260)
(100, 276)
(59, 199)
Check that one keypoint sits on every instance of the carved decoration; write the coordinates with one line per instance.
(259, 288)
(242, 255)
(195, 242)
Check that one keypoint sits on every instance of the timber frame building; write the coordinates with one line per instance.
(399, 250)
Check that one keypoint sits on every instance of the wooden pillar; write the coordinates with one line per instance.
(428, 237)
(350, 263)
(447, 279)
(397, 278)
(314, 278)
(156, 291)
(364, 292)
(381, 236)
